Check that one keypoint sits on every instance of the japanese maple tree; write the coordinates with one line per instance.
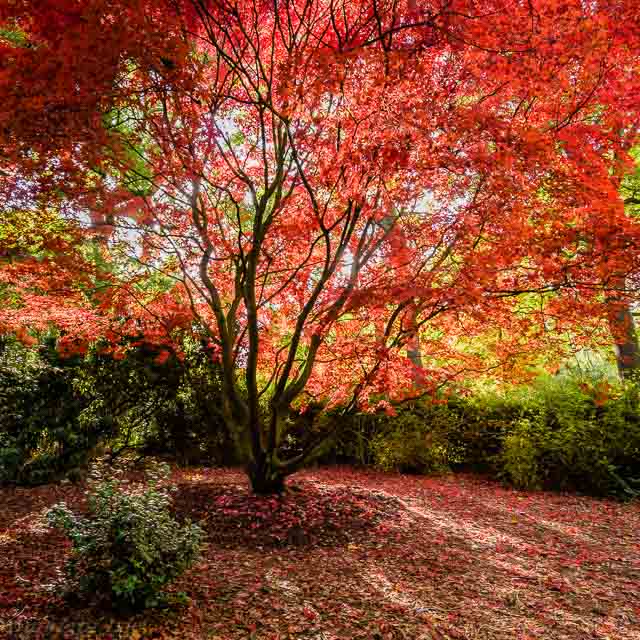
(321, 183)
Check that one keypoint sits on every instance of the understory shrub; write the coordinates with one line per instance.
(520, 456)
(562, 432)
(573, 434)
(416, 440)
(47, 426)
(56, 412)
(167, 406)
(129, 546)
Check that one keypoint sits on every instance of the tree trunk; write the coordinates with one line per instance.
(414, 350)
(626, 340)
(265, 478)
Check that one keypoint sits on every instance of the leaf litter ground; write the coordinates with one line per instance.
(349, 554)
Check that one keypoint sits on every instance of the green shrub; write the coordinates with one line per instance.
(415, 440)
(520, 455)
(571, 433)
(55, 411)
(481, 420)
(129, 546)
(353, 434)
(593, 441)
(568, 432)
(165, 406)
(47, 427)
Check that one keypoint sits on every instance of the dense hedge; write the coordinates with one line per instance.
(56, 411)
(560, 433)
(166, 406)
(46, 427)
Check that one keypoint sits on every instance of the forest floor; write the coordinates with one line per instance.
(353, 555)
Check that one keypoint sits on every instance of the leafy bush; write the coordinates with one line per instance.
(55, 411)
(569, 433)
(163, 405)
(188, 422)
(129, 546)
(352, 435)
(416, 440)
(47, 427)
(563, 432)
(520, 455)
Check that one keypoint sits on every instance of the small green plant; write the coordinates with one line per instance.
(129, 547)
(520, 456)
(415, 441)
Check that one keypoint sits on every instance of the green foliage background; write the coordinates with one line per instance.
(566, 432)
(56, 413)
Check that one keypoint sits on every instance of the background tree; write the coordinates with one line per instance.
(622, 322)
